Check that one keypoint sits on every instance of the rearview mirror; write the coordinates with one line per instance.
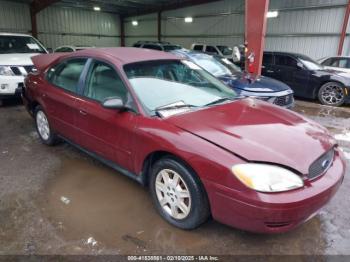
(113, 103)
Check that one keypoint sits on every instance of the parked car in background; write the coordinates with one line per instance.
(339, 63)
(244, 84)
(307, 78)
(160, 46)
(202, 150)
(221, 50)
(70, 48)
(15, 63)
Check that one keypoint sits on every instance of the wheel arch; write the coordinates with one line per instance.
(317, 90)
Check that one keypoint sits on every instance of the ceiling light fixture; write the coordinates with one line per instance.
(188, 19)
(135, 23)
(272, 14)
(97, 8)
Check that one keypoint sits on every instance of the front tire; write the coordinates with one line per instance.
(46, 134)
(331, 94)
(178, 194)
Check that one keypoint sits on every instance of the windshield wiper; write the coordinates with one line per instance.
(219, 101)
(174, 107)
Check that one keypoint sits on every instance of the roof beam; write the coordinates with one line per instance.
(172, 6)
(39, 5)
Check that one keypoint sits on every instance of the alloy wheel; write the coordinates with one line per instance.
(43, 125)
(333, 94)
(173, 194)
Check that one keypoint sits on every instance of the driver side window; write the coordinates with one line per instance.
(103, 82)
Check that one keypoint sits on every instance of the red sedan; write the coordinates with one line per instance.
(175, 128)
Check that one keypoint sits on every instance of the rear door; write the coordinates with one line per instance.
(106, 132)
(60, 96)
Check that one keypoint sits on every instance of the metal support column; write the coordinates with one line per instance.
(122, 30)
(255, 30)
(159, 21)
(344, 29)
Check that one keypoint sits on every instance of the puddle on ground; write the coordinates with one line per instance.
(91, 204)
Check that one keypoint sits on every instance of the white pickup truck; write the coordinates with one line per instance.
(15, 63)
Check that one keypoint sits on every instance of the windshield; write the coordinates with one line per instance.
(225, 50)
(19, 44)
(212, 65)
(159, 84)
(171, 47)
(309, 63)
(227, 63)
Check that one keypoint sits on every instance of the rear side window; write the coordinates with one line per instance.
(211, 49)
(66, 74)
(283, 60)
(268, 59)
(198, 48)
(328, 62)
(338, 62)
(104, 82)
(153, 47)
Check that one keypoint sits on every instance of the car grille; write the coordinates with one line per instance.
(283, 100)
(22, 70)
(321, 165)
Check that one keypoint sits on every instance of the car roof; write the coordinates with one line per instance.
(284, 53)
(126, 55)
(189, 53)
(14, 34)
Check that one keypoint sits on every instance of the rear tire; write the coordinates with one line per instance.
(178, 194)
(331, 94)
(45, 132)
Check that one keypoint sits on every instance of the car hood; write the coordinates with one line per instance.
(16, 59)
(257, 131)
(251, 83)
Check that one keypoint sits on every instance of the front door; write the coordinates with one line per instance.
(291, 72)
(106, 132)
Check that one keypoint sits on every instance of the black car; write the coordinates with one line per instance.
(160, 46)
(307, 78)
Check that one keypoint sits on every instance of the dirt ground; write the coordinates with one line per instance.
(56, 200)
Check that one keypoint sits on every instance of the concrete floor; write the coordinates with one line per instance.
(56, 200)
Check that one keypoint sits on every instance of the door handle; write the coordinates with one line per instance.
(82, 112)
(43, 95)
(270, 71)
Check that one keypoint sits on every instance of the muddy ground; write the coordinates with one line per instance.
(56, 200)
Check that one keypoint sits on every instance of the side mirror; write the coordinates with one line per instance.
(50, 50)
(300, 65)
(113, 103)
(236, 54)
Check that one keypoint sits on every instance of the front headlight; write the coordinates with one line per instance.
(6, 71)
(267, 178)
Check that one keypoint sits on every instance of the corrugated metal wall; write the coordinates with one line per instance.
(146, 30)
(307, 26)
(61, 26)
(311, 27)
(14, 17)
